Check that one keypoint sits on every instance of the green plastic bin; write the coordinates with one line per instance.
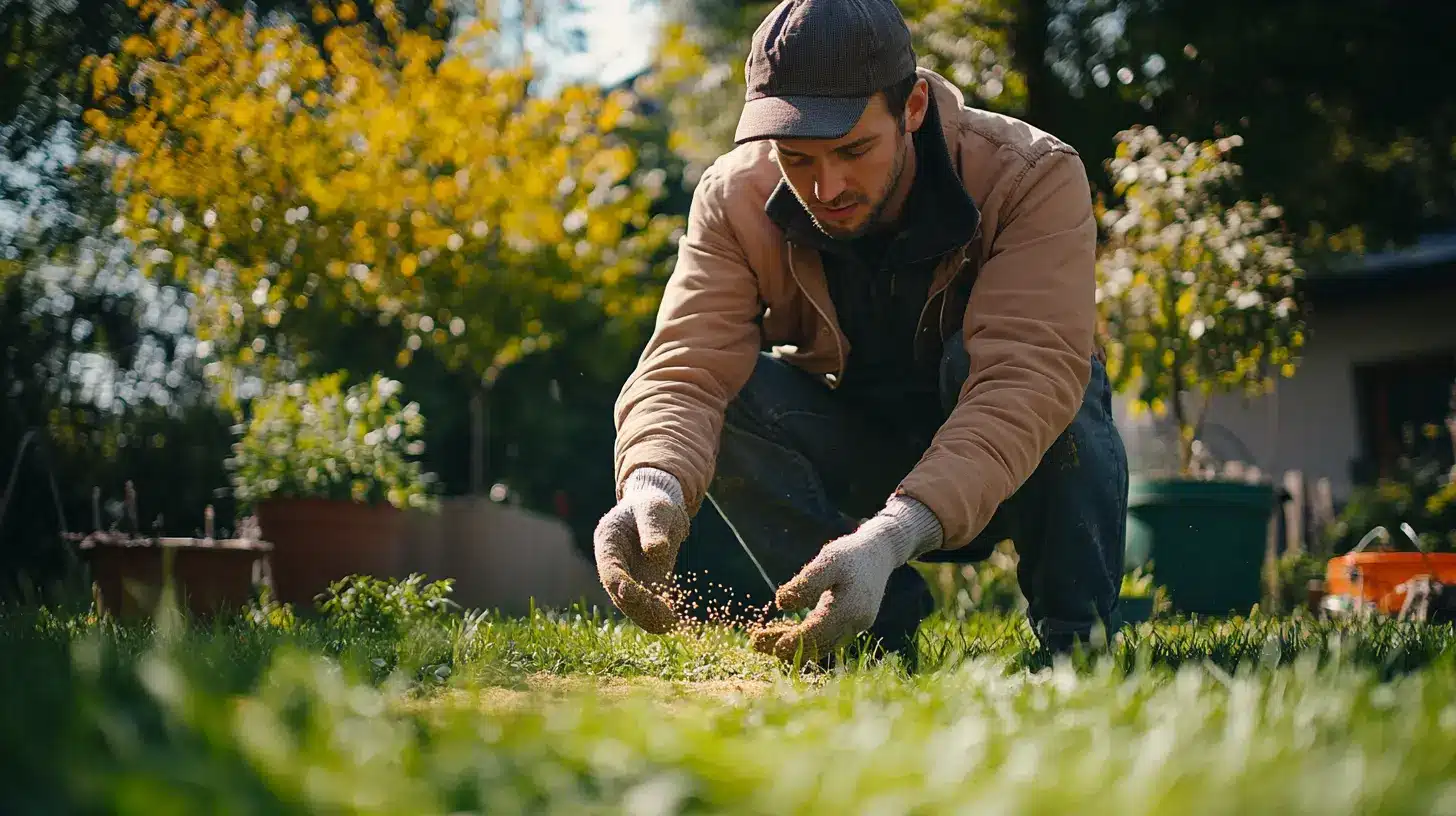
(1206, 540)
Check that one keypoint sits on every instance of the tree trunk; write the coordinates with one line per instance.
(478, 441)
(1181, 421)
(1029, 41)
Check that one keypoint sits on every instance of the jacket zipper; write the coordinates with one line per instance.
(965, 258)
(838, 346)
(931, 298)
(960, 269)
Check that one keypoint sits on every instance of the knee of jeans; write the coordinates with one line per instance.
(773, 389)
(752, 405)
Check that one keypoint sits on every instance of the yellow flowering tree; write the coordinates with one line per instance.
(1198, 296)
(297, 177)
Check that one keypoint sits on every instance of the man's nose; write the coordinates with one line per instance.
(829, 183)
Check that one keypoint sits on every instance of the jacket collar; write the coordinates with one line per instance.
(939, 215)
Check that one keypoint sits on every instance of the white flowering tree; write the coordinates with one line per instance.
(1198, 294)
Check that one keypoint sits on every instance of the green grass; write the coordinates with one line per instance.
(576, 712)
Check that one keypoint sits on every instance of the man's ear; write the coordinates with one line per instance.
(917, 105)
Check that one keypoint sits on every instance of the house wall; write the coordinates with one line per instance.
(1311, 422)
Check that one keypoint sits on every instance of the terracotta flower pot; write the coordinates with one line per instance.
(209, 576)
(318, 541)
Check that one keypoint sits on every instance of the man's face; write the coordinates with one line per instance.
(847, 183)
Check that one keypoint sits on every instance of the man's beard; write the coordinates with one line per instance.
(873, 221)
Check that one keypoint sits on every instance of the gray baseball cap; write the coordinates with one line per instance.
(814, 65)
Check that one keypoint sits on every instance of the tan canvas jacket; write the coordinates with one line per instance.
(741, 287)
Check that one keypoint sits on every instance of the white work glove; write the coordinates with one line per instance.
(846, 581)
(636, 545)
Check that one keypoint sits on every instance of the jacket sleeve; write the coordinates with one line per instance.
(703, 347)
(1029, 329)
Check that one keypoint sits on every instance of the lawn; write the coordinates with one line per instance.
(376, 711)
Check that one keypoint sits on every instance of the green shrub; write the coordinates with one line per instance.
(321, 440)
(1422, 493)
(385, 606)
(1295, 571)
(1138, 583)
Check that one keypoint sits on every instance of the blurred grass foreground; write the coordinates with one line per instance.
(412, 707)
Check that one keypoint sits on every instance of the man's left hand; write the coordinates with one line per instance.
(846, 582)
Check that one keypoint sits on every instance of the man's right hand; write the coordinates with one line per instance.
(636, 545)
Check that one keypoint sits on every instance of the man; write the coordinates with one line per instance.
(877, 346)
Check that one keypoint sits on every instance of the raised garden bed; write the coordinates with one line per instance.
(210, 576)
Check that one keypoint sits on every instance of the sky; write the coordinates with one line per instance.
(620, 37)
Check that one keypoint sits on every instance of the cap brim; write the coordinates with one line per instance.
(799, 117)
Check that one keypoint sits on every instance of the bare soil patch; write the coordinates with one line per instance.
(538, 689)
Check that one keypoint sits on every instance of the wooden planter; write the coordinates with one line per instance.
(209, 576)
(318, 541)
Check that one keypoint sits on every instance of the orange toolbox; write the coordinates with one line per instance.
(1381, 580)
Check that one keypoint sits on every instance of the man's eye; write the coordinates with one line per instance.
(854, 154)
(796, 161)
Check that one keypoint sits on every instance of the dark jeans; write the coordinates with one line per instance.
(799, 466)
